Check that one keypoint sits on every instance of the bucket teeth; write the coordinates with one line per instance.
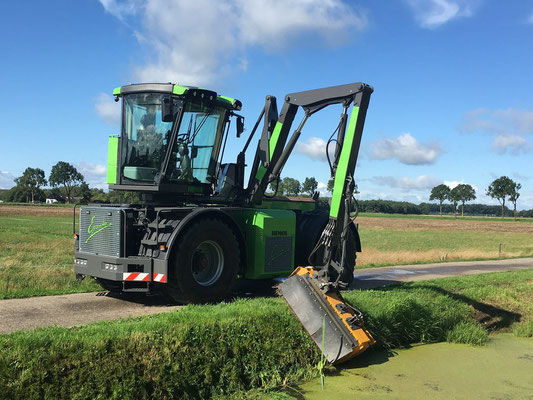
(326, 314)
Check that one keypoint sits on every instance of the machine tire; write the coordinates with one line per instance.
(203, 267)
(110, 286)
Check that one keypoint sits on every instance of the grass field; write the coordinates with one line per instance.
(226, 349)
(394, 240)
(36, 252)
(36, 247)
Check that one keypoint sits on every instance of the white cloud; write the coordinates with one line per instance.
(315, 148)
(406, 149)
(107, 109)
(94, 174)
(515, 144)
(6, 180)
(422, 182)
(501, 122)
(322, 189)
(434, 13)
(87, 168)
(121, 9)
(508, 128)
(196, 42)
(452, 184)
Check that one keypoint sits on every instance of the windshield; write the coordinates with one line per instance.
(146, 137)
(198, 143)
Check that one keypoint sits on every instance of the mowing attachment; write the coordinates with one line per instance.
(314, 301)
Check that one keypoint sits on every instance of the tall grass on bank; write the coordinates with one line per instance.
(220, 350)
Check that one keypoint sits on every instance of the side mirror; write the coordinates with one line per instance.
(240, 125)
(167, 111)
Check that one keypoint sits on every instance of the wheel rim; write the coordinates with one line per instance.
(207, 263)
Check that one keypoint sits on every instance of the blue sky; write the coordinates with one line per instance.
(453, 81)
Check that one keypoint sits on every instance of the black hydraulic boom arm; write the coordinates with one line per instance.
(274, 150)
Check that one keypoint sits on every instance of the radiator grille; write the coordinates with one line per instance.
(278, 254)
(101, 230)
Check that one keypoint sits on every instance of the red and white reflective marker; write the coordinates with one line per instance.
(160, 278)
(136, 276)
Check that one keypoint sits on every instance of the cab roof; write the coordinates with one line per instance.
(178, 90)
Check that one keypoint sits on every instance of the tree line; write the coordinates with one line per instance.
(66, 182)
(502, 189)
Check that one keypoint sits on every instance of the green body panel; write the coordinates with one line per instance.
(274, 139)
(230, 100)
(342, 168)
(179, 90)
(117, 91)
(112, 160)
(261, 171)
(270, 240)
(271, 147)
(295, 205)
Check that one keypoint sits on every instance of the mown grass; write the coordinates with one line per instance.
(226, 349)
(383, 246)
(446, 217)
(36, 257)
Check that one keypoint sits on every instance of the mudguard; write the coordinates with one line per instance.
(326, 314)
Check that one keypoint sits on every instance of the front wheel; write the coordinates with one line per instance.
(204, 265)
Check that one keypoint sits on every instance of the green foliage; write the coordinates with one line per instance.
(310, 185)
(440, 193)
(66, 175)
(30, 183)
(524, 330)
(18, 194)
(463, 192)
(289, 187)
(500, 189)
(468, 332)
(198, 352)
(331, 184)
(219, 350)
(515, 194)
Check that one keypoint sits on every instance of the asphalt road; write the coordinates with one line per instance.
(79, 309)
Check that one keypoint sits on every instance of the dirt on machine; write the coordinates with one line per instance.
(199, 228)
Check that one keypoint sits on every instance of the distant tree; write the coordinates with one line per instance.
(16, 194)
(440, 193)
(289, 187)
(66, 175)
(84, 192)
(309, 186)
(331, 184)
(455, 197)
(30, 182)
(466, 193)
(513, 198)
(500, 189)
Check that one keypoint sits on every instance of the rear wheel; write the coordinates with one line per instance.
(204, 265)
